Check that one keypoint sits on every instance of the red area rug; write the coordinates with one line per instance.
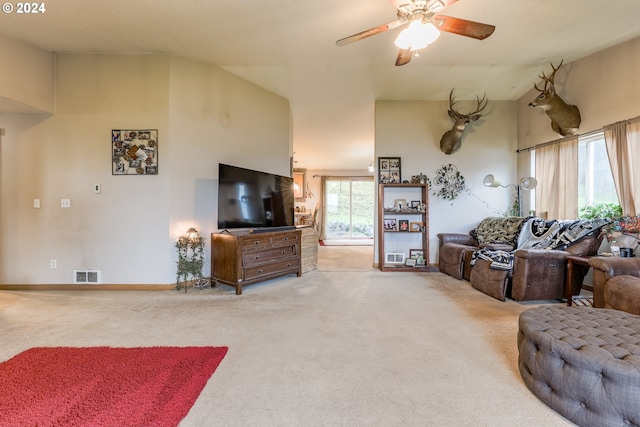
(104, 386)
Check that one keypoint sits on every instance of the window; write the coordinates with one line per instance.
(595, 181)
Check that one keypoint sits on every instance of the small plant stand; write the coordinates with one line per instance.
(190, 260)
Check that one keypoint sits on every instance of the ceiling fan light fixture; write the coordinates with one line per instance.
(417, 36)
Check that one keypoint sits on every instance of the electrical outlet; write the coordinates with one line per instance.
(97, 189)
(53, 263)
(36, 203)
(65, 203)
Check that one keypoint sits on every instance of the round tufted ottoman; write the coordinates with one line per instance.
(583, 362)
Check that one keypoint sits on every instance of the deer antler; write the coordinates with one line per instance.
(452, 101)
(550, 79)
(482, 103)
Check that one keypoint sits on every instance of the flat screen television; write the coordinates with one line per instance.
(253, 199)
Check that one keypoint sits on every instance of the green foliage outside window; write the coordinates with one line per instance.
(600, 210)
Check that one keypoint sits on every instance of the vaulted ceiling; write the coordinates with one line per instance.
(288, 47)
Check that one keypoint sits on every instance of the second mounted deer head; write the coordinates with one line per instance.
(565, 118)
(452, 139)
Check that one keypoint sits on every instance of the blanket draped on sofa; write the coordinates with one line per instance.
(538, 233)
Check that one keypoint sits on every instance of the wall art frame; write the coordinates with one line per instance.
(134, 151)
(389, 170)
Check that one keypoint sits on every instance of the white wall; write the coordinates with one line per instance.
(203, 115)
(412, 131)
(217, 117)
(26, 77)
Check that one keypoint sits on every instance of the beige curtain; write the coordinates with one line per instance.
(557, 175)
(623, 148)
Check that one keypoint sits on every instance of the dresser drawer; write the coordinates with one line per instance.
(250, 258)
(290, 237)
(255, 242)
(267, 269)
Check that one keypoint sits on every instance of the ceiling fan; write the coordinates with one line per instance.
(424, 27)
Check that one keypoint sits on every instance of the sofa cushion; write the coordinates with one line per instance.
(499, 230)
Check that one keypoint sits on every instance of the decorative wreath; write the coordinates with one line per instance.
(451, 181)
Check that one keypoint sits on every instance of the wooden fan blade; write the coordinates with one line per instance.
(404, 56)
(462, 27)
(370, 32)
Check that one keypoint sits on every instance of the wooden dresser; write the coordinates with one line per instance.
(243, 258)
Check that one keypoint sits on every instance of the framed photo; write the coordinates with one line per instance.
(390, 224)
(416, 226)
(416, 204)
(134, 152)
(299, 184)
(399, 204)
(418, 255)
(410, 262)
(403, 225)
(389, 170)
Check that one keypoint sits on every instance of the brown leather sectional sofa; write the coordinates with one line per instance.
(535, 274)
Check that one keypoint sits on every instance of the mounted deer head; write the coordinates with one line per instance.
(452, 139)
(565, 118)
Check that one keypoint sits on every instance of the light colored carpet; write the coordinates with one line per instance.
(347, 242)
(344, 345)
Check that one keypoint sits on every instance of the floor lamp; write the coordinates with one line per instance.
(528, 183)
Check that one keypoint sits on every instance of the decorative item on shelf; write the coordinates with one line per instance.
(190, 260)
(416, 226)
(389, 170)
(418, 255)
(528, 183)
(451, 181)
(419, 179)
(390, 224)
(399, 205)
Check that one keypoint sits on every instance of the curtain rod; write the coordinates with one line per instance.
(558, 141)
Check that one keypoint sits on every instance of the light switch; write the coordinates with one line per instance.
(65, 203)
(36, 203)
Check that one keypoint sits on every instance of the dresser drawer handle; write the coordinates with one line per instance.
(260, 271)
(256, 242)
(284, 252)
(257, 256)
(286, 238)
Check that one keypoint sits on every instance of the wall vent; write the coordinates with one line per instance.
(394, 258)
(87, 277)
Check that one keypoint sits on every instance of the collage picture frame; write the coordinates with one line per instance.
(134, 151)
(389, 170)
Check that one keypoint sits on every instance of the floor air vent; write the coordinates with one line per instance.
(87, 277)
